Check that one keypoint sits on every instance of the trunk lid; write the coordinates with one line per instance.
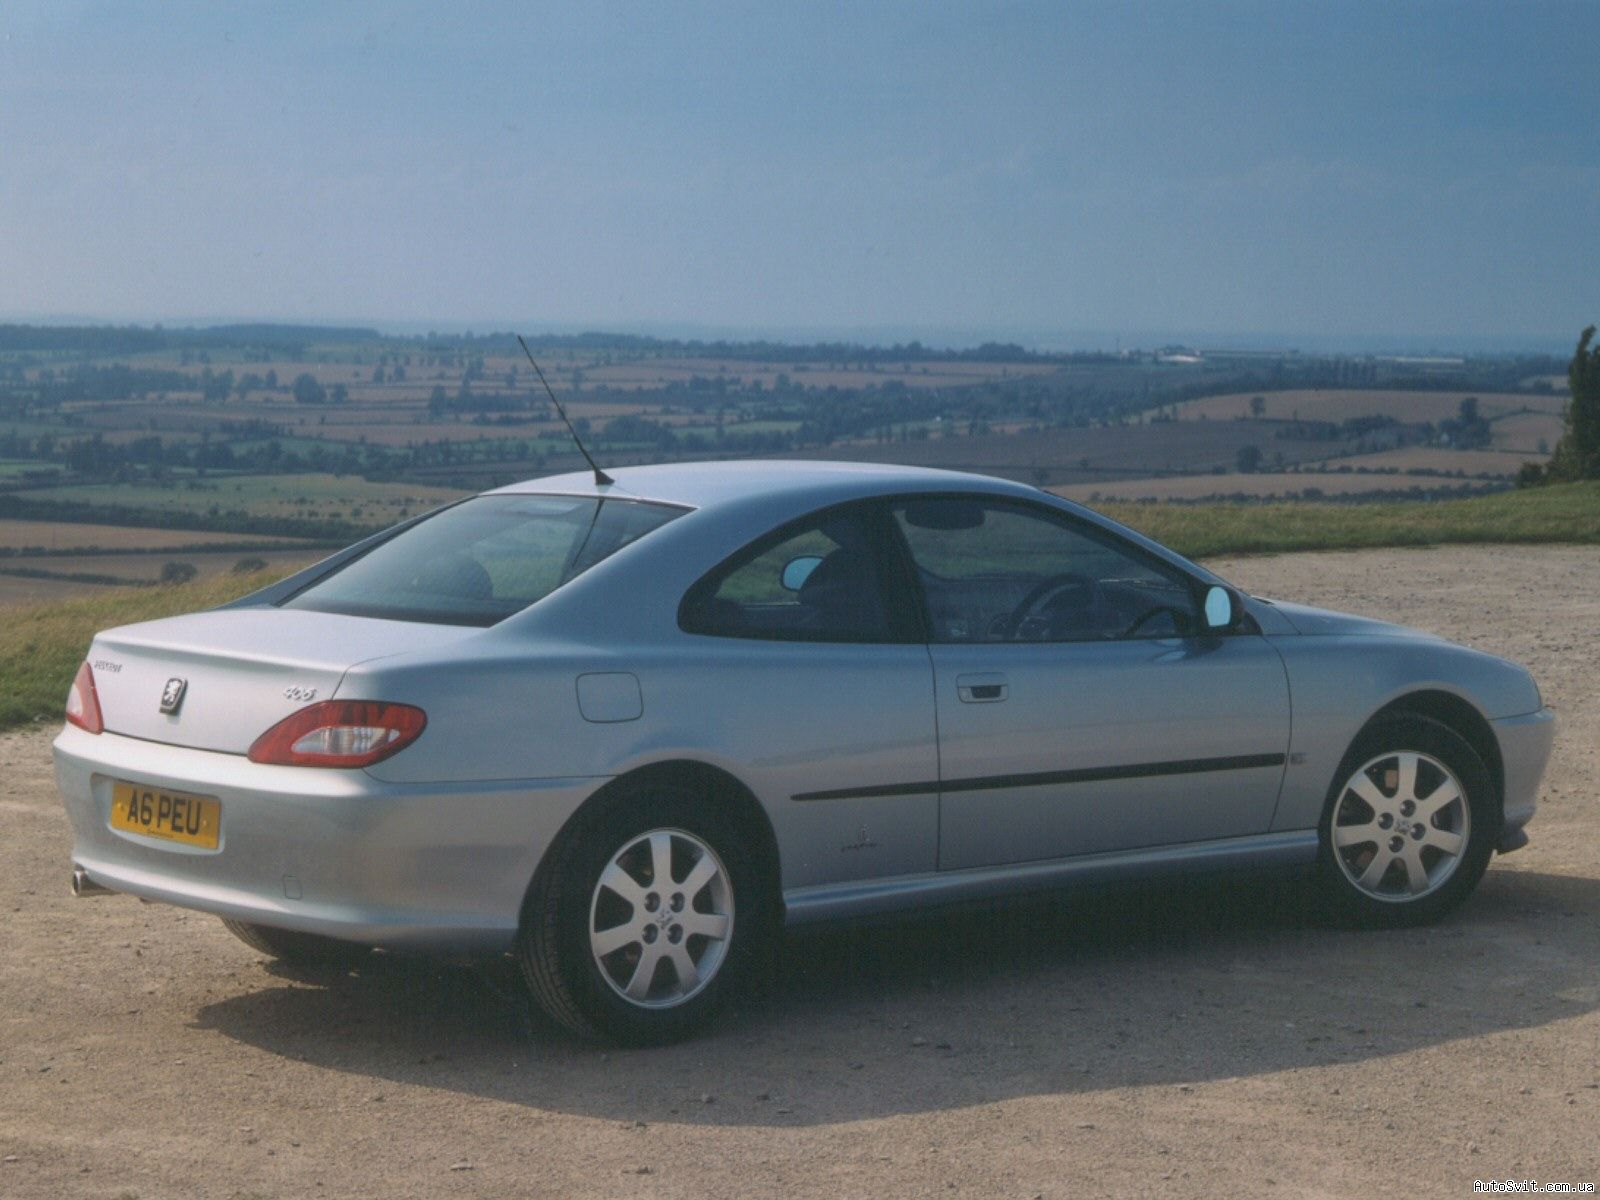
(242, 670)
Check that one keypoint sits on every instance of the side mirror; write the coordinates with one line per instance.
(1221, 609)
(798, 571)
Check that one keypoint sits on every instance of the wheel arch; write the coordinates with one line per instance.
(1460, 716)
(717, 784)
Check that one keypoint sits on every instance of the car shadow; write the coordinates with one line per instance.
(1173, 985)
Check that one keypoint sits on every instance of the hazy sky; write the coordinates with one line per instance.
(1038, 171)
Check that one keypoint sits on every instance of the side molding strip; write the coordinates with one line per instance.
(1182, 766)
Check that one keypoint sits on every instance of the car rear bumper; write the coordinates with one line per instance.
(431, 867)
(1524, 752)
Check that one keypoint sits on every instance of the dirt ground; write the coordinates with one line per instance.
(1208, 1039)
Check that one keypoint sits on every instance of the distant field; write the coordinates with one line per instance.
(17, 590)
(1490, 463)
(136, 568)
(622, 372)
(314, 495)
(13, 469)
(397, 425)
(1266, 486)
(173, 395)
(1524, 431)
(656, 372)
(1340, 405)
(1089, 454)
(401, 422)
(416, 427)
(61, 535)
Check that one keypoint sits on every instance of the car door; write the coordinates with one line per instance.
(1082, 707)
(813, 671)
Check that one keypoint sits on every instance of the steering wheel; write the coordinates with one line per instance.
(1179, 618)
(1043, 594)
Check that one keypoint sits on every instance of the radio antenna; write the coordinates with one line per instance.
(601, 479)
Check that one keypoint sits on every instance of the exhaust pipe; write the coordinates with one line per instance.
(84, 887)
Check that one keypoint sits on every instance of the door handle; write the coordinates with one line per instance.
(982, 689)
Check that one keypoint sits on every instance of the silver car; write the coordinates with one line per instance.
(624, 730)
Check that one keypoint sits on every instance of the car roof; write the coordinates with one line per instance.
(729, 483)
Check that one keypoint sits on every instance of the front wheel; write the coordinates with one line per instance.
(1409, 826)
(644, 920)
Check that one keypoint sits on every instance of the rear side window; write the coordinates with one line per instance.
(817, 581)
(484, 559)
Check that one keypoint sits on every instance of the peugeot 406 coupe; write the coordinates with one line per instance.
(625, 730)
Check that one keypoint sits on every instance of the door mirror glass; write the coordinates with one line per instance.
(1219, 608)
(798, 571)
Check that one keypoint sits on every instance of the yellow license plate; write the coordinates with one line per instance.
(172, 816)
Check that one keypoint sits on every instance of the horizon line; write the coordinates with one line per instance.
(878, 336)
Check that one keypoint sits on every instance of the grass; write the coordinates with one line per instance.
(1562, 513)
(42, 645)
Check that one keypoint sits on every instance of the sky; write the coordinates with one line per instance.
(1068, 175)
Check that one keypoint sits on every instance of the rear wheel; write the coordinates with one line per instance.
(298, 949)
(645, 919)
(1409, 826)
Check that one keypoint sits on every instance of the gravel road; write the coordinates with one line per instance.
(1202, 1039)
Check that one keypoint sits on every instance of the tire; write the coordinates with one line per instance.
(298, 949)
(604, 957)
(1410, 821)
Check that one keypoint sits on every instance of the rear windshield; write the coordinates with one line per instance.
(483, 559)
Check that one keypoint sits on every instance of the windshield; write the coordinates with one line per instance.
(483, 559)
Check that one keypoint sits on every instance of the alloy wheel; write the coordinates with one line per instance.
(1400, 826)
(660, 918)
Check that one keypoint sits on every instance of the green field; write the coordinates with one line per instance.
(42, 645)
(1565, 513)
(14, 468)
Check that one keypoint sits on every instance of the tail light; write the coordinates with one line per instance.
(83, 702)
(340, 733)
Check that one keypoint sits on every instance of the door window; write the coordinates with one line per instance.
(993, 571)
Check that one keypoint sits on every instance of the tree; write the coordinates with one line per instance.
(1248, 459)
(1577, 454)
(308, 391)
(1467, 429)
